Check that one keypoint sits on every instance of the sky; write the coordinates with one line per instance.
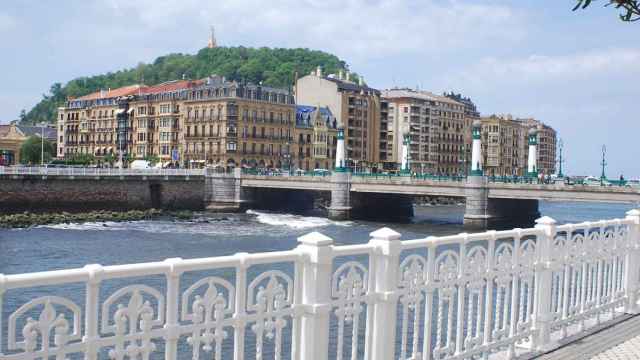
(576, 71)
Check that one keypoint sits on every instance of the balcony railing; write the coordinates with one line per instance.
(453, 297)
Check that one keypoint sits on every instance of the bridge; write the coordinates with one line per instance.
(486, 201)
(513, 293)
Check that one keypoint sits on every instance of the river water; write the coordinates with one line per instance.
(63, 246)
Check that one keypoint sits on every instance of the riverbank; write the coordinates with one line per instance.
(28, 219)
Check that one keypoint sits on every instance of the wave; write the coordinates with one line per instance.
(294, 221)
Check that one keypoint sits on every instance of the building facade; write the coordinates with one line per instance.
(91, 124)
(471, 114)
(188, 123)
(505, 150)
(356, 108)
(315, 138)
(503, 146)
(547, 143)
(435, 126)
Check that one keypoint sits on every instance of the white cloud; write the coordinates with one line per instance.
(559, 67)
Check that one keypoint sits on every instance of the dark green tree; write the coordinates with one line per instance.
(81, 159)
(629, 9)
(109, 159)
(31, 150)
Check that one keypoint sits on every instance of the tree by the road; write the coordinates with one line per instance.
(629, 9)
(31, 150)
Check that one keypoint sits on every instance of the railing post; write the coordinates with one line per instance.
(387, 247)
(632, 263)
(92, 309)
(172, 324)
(543, 284)
(316, 296)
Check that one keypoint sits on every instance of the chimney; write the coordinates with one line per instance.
(340, 74)
(102, 93)
(360, 80)
(319, 71)
(348, 76)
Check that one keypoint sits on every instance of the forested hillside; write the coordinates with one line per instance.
(273, 67)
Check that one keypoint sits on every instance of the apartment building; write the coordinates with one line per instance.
(414, 113)
(471, 114)
(210, 121)
(435, 125)
(355, 106)
(315, 138)
(96, 123)
(547, 143)
(157, 121)
(505, 147)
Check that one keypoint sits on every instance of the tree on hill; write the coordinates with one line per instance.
(629, 9)
(271, 67)
(31, 150)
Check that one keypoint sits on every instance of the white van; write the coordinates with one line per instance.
(140, 164)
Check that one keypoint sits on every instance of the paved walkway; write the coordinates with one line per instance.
(620, 341)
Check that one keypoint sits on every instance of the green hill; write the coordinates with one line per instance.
(273, 67)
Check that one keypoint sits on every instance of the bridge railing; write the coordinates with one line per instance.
(86, 171)
(286, 173)
(453, 297)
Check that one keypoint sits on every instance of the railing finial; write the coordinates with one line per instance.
(634, 213)
(385, 233)
(545, 220)
(315, 239)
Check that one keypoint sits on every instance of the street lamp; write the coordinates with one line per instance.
(604, 164)
(42, 125)
(560, 160)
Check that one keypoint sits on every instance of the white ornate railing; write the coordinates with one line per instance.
(454, 297)
(84, 171)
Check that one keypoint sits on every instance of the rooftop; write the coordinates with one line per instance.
(50, 132)
(169, 86)
(112, 93)
(305, 115)
(417, 94)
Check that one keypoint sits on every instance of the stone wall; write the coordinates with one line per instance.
(38, 194)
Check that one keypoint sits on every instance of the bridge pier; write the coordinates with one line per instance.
(476, 213)
(482, 211)
(224, 193)
(340, 208)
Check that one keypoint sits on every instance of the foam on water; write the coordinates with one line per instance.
(294, 221)
(205, 224)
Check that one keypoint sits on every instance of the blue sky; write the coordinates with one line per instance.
(579, 72)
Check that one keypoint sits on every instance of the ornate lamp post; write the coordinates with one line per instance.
(42, 124)
(476, 168)
(405, 167)
(560, 160)
(603, 177)
(532, 167)
(341, 164)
